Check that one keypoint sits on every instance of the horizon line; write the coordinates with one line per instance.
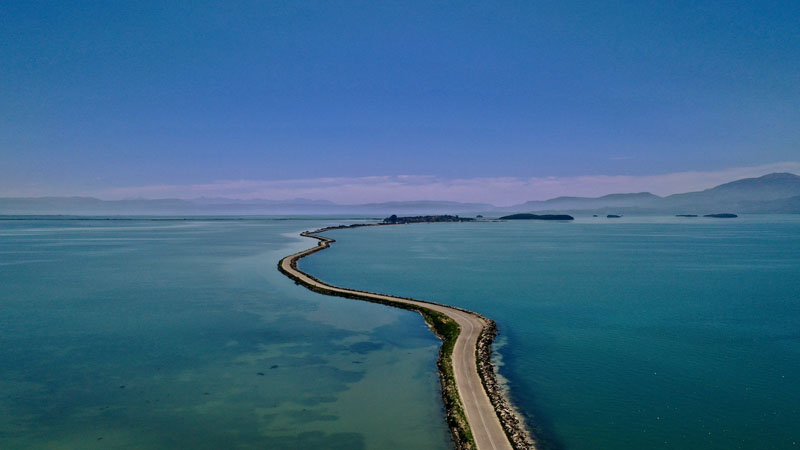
(494, 191)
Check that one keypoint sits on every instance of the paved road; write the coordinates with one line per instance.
(483, 421)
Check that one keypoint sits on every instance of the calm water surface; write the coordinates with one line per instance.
(629, 334)
(182, 334)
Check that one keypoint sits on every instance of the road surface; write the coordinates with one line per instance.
(481, 416)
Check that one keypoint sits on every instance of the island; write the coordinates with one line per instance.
(685, 215)
(394, 220)
(527, 216)
(613, 216)
(722, 216)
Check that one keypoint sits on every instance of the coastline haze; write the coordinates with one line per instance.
(771, 193)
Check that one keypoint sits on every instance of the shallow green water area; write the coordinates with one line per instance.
(148, 334)
(635, 333)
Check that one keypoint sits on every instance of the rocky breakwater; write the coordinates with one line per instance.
(443, 322)
(510, 419)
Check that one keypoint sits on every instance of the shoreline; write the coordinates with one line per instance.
(478, 411)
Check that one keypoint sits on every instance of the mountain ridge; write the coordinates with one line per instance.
(771, 193)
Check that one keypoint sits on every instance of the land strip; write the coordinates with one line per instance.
(478, 413)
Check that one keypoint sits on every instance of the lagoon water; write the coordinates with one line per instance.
(163, 334)
(627, 334)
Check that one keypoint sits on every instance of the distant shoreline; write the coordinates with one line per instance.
(477, 410)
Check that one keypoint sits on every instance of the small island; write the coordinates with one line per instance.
(393, 219)
(527, 216)
(613, 216)
(685, 215)
(722, 216)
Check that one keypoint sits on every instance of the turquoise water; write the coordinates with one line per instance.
(629, 334)
(149, 334)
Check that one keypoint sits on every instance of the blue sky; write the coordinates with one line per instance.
(139, 99)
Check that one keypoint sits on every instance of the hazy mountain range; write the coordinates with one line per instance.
(773, 193)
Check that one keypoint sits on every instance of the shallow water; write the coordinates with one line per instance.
(637, 333)
(149, 334)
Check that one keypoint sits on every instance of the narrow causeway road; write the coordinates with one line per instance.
(481, 416)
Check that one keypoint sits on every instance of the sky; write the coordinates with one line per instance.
(495, 102)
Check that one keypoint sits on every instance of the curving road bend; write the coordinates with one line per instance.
(483, 421)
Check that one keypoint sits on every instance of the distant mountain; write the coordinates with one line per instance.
(261, 202)
(746, 195)
(422, 207)
(93, 206)
(773, 193)
(769, 187)
(789, 205)
(637, 200)
(224, 206)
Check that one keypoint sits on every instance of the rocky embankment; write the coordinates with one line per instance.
(444, 325)
(509, 418)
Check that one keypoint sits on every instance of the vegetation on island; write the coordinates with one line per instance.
(393, 219)
(528, 216)
(722, 216)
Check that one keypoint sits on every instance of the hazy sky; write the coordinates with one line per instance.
(352, 101)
